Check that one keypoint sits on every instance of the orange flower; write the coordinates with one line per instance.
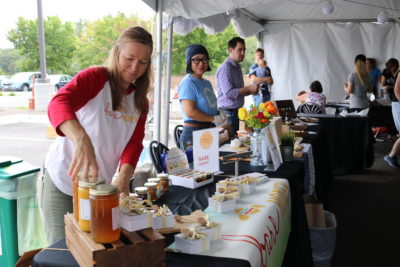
(264, 120)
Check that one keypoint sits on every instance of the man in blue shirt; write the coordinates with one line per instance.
(264, 80)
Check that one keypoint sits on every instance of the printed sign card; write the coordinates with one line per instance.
(205, 150)
(273, 144)
(176, 161)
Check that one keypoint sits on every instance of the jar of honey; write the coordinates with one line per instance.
(84, 203)
(104, 213)
(154, 180)
(75, 201)
(141, 192)
(164, 181)
(152, 189)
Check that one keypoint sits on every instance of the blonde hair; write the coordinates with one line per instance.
(361, 71)
(261, 62)
(142, 84)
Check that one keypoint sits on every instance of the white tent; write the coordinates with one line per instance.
(302, 41)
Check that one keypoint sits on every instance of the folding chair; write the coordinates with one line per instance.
(309, 108)
(177, 134)
(156, 149)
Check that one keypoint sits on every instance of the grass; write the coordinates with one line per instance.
(1, 93)
(22, 107)
(11, 94)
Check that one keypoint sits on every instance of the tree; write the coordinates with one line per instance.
(8, 60)
(60, 44)
(96, 38)
(216, 44)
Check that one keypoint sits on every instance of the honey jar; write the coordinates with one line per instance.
(164, 181)
(141, 192)
(154, 180)
(75, 201)
(152, 189)
(84, 203)
(104, 213)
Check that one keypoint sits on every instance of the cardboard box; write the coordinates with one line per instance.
(212, 233)
(163, 221)
(314, 212)
(136, 222)
(222, 206)
(248, 189)
(191, 246)
(188, 182)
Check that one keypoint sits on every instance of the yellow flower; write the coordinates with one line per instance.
(242, 113)
(262, 106)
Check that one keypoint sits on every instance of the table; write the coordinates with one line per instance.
(270, 212)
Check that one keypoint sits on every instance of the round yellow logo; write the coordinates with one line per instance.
(206, 140)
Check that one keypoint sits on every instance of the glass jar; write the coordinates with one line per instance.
(75, 201)
(152, 189)
(84, 203)
(141, 192)
(164, 181)
(256, 145)
(154, 180)
(104, 213)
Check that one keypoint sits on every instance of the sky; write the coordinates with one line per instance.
(66, 10)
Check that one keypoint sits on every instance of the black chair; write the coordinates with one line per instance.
(156, 149)
(309, 108)
(177, 134)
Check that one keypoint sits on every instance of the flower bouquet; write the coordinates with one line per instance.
(258, 117)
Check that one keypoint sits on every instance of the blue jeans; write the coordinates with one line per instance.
(186, 138)
(396, 114)
(257, 98)
(233, 120)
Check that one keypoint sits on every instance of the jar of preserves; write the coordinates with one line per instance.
(104, 213)
(141, 192)
(84, 203)
(152, 189)
(75, 201)
(164, 181)
(154, 180)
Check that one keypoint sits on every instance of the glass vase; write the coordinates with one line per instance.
(257, 146)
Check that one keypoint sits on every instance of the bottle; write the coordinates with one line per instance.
(104, 213)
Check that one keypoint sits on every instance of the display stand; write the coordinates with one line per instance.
(235, 158)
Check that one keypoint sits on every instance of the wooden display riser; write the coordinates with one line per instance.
(140, 248)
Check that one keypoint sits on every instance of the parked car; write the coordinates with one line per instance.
(3, 79)
(21, 81)
(59, 80)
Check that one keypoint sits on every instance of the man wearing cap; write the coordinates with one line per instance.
(196, 96)
(230, 84)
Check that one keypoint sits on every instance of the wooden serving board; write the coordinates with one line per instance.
(140, 248)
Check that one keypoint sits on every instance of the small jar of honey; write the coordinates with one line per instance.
(75, 201)
(141, 192)
(164, 181)
(152, 189)
(104, 215)
(84, 203)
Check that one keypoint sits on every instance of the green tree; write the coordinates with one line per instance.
(216, 44)
(8, 60)
(96, 38)
(60, 44)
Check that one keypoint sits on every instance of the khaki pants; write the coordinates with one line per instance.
(54, 205)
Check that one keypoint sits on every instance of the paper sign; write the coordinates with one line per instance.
(205, 150)
(273, 144)
(176, 161)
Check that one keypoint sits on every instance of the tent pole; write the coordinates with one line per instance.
(42, 50)
(168, 83)
(157, 95)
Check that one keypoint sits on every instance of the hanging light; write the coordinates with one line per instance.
(327, 8)
(382, 17)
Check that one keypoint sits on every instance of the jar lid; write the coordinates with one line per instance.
(141, 189)
(154, 180)
(150, 185)
(103, 190)
(162, 175)
(84, 182)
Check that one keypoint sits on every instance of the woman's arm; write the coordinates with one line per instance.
(189, 107)
(123, 179)
(302, 96)
(348, 88)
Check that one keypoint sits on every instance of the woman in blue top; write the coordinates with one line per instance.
(196, 95)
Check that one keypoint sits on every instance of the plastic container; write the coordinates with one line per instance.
(104, 210)
(17, 180)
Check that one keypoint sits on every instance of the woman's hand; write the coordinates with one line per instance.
(122, 180)
(83, 157)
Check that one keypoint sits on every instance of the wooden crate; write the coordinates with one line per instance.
(141, 248)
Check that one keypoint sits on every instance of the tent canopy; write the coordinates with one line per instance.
(302, 43)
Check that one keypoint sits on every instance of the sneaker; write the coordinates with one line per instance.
(392, 161)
